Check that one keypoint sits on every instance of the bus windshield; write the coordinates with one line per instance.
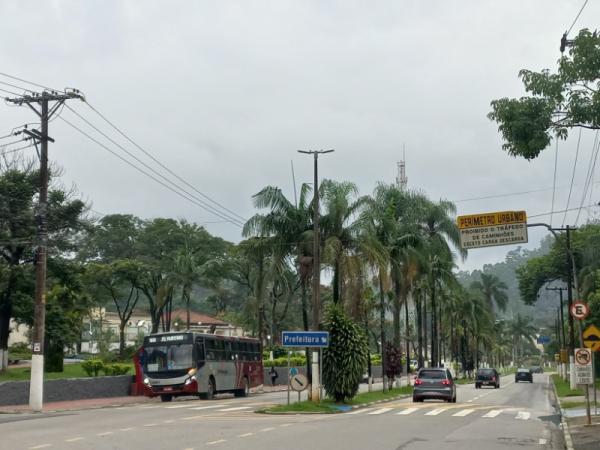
(163, 358)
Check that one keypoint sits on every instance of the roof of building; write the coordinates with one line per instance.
(197, 318)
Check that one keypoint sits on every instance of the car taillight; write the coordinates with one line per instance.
(493, 378)
(418, 382)
(447, 383)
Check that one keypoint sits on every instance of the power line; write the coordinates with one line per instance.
(577, 17)
(11, 92)
(162, 165)
(13, 150)
(15, 86)
(591, 167)
(143, 171)
(572, 177)
(28, 82)
(207, 207)
(14, 142)
(564, 210)
(554, 182)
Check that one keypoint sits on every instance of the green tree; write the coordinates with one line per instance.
(345, 360)
(493, 291)
(557, 102)
(18, 202)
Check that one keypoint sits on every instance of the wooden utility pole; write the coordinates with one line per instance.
(36, 386)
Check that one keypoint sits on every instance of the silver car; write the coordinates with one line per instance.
(434, 383)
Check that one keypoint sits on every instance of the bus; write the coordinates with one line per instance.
(190, 363)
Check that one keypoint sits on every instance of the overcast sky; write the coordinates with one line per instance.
(225, 92)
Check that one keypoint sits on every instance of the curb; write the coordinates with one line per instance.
(563, 420)
(386, 400)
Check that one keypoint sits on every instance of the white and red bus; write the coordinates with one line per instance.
(190, 363)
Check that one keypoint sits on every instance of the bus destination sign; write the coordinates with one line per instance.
(492, 229)
(168, 338)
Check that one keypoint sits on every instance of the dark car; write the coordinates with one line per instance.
(434, 383)
(487, 377)
(537, 369)
(523, 375)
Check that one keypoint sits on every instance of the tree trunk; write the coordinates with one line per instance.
(5, 315)
(419, 311)
(382, 325)
(122, 339)
(424, 331)
(407, 330)
(434, 356)
(336, 282)
(397, 306)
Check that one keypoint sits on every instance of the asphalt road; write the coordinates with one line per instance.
(514, 416)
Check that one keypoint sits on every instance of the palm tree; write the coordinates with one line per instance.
(493, 290)
(522, 331)
(339, 229)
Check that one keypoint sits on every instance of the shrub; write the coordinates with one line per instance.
(115, 369)
(393, 362)
(92, 367)
(376, 359)
(345, 360)
(283, 362)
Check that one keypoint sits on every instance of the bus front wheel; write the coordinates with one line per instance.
(166, 397)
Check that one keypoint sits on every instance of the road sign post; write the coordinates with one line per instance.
(314, 339)
(492, 229)
(584, 375)
(579, 310)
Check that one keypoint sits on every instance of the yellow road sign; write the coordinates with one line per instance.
(591, 338)
(491, 219)
(491, 229)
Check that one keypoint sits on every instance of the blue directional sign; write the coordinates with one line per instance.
(305, 338)
(543, 340)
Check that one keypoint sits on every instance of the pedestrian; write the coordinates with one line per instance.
(273, 373)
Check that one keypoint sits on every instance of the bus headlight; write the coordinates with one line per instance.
(147, 381)
(192, 372)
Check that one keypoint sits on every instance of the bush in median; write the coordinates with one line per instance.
(92, 367)
(115, 369)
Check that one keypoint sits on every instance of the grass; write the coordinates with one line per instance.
(24, 373)
(329, 406)
(567, 405)
(563, 388)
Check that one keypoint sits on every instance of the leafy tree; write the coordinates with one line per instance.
(558, 101)
(18, 202)
(345, 360)
(493, 291)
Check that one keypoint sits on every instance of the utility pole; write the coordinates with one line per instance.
(36, 386)
(561, 335)
(316, 278)
(570, 274)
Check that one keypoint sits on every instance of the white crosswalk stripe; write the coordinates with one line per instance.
(493, 413)
(186, 405)
(407, 411)
(435, 412)
(360, 411)
(380, 411)
(207, 407)
(463, 413)
(523, 415)
(237, 408)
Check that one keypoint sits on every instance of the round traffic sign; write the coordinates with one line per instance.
(580, 310)
(583, 356)
(299, 382)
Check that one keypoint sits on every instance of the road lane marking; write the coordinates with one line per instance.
(168, 421)
(41, 446)
(246, 435)
(198, 408)
(380, 411)
(286, 425)
(75, 439)
(469, 401)
(237, 408)
(188, 448)
(523, 415)
(264, 430)
(543, 441)
(106, 433)
(492, 413)
(127, 429)
(150, 425)
(435, 412)
(179, 406)
(216, 442)
(463, 413)
(192, 417)
(407, 411)
(360, 411)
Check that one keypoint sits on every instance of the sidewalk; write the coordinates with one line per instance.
(579, 435)
(89, 403)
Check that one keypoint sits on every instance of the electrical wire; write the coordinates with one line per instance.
(554, 182)
(591, 167)
(15, 86)
(161, 164)
(11, 92)
(13, 150)
(144, 172)
(572, 177)
(13, 142)
(577, 17)
(209, 208)
(28, 82)
(564, 210)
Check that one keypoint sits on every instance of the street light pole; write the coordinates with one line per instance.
(316, 278)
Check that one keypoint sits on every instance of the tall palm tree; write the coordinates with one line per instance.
(522, 332)
(493, 291)
(339, 228)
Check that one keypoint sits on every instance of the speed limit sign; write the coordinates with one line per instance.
(580, 310)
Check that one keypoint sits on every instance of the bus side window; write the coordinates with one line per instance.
(200, 350)
(220, 350)
(235, 350)
(210, 349)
